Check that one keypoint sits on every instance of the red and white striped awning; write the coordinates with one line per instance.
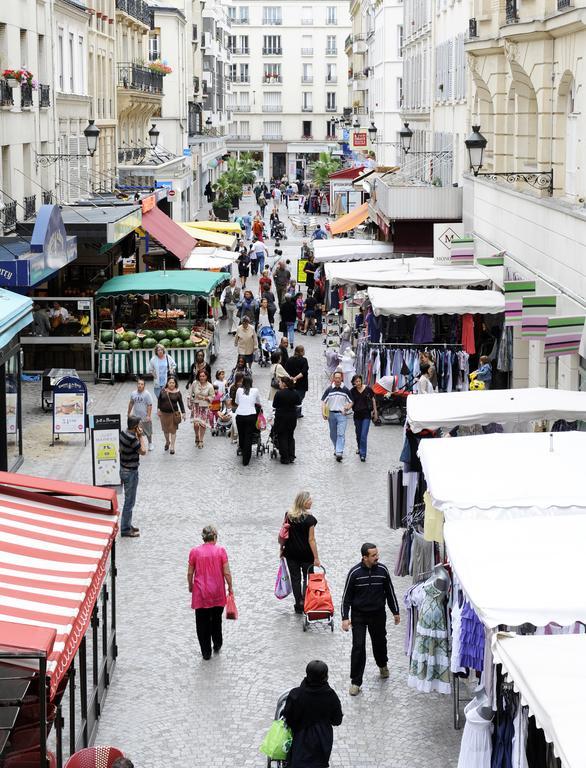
(53, 559)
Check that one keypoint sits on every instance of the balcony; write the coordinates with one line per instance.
(307, 51)
(563, 4)
(347, 42)
(30, 207)
(472, 28)
(6, 99)
(239, 137)
(331, 137)
(307, 137)
(26, 95)
(241, 20)
(331, 109)
(272, 22)
(272, 137)
(272, 79)
(48, 198)
(196, 84)
(307, 108)
(331, 79)
(240, 51)
(240, 80)
(359, 110)
(137, 78)
(332, 21)
(272, 51)
(44, 95)
(240, 108)
(307, 80)
(138, 9)
(9, 217)
(331, 51)
(511, 12)
(359, 76)
(272, 107)
(307, 22)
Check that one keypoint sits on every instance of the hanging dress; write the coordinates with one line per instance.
(429, 669)
(476, 746)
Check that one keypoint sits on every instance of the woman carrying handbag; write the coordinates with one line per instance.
(171, 412)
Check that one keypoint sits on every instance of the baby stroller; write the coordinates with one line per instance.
(258, 434)
(278, 230)
(272, 443)
(222, 422)
(318, 605)
(267, 339)
(281, 701)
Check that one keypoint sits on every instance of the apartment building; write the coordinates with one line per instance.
(288, 81)
(526, 70)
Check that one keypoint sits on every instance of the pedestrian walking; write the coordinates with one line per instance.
(141, 406)
(246, 340)
(264, 281)
(298, 369)
(288, 313)
(282, 276)
(201, 394)
(336, 403)
(208, 575)
(262, 204)
(247, 221)
(364, 409)
(310, 268)
(133, 445)
(229, 299)
(171, 412)
(278, 372)
(248, 405)
(300, 548)
(310, 712)
(243, 266)
(257, 225)
(199, 364)
(424, 385)
(284, 350)
(240, 370)
(161, 366)
(286, 403)
(248, 305)
(259, 251)
(368, 588)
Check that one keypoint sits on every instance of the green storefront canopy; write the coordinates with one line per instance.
(193, 282)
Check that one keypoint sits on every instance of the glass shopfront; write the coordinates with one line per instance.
(10, 398)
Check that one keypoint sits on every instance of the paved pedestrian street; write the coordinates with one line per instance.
(168, 707)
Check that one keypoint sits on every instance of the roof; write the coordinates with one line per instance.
(450, 409)
(210, 258)
(106, 223)
(398, 272)
(53, 560)
(168, 233)
(434, 301)
(207, 236)
(347, 173)
(15, 314)
(192, 282)
(350, 249)
(217, 226)
(350, 220)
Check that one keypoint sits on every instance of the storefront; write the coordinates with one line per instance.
(15, 314)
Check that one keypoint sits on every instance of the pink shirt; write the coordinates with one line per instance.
(209, 589)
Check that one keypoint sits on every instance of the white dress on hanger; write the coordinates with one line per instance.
(476, 746)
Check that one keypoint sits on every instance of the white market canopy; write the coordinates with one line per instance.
(528, 570)
(549, 673)
(210, 258)
(349, 249)
(398, 272)
(502, 476)
(435, 301)
(452, 409)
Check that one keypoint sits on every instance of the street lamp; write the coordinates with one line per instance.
(209, 122)
(355, 124)
(406, 135)
(91, 133)
(154, 136)
(372, 131)
(475, 144)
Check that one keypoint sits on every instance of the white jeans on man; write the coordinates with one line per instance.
(232, 317)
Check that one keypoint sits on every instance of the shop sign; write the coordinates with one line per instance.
(148, 203)
(443, 234)
(360, 139)
(11, 409)
(301, 274)
(106, 449)
(187, 152)
(69, 406)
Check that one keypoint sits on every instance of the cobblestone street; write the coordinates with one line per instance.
(168, 707)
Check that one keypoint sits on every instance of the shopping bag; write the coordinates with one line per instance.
(261, 422)
(277, 743)
(231, 610)
(283, 583)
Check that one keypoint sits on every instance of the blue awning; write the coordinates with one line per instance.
(16, 312)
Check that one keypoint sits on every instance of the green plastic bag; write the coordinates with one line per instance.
(277, 743)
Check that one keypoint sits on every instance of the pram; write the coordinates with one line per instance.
(261, 447)
(281, 701)
(267, 341)
(318, 605)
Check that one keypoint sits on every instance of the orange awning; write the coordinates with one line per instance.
(350, 220)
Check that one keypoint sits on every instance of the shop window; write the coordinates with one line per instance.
(13, 423)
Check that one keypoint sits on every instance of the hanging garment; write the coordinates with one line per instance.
(457, 603)
(519, 754)
(472, 639)
(502, 753)
(429, 669)
(476, 745)
(433, 526)
(468, 334)
(504, 358)
(423, 331)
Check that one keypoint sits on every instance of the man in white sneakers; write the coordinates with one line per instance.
(141, 406)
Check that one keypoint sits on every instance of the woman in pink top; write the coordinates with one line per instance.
(207, 571)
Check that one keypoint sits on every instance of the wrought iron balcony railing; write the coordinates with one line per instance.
(138, 9)
(30, 207)
(139, 78)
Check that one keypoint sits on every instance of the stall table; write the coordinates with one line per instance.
(117, 359)
(183, 356)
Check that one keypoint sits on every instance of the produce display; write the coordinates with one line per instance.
(148, 339)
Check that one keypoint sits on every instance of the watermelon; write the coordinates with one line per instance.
(107, 336)
(164, 342)
(184, 333)
(188, 343)
(129, 336)
(118, 337)
(176, 343)
(135, 344)
(147, 333)
(149, 343)
(159, 335)
(123, 345)
(172, 333)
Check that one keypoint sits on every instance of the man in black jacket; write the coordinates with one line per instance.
(310, 711)
(368, 587)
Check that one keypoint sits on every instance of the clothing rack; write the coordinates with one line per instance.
(399, 344)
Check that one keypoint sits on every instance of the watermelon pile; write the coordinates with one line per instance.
(129, 340)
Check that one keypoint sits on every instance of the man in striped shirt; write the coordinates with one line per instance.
(336, 404)
(368, 588)
(133, 445)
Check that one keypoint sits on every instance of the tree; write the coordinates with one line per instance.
(323, 168)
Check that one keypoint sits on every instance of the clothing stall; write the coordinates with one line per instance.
(415, 272)
(435, 301)
(350, 249)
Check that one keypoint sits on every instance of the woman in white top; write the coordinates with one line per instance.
(247, 400)
(424, 384)
(277, 373)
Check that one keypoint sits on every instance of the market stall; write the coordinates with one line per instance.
(227, 227)
(208, 237)
(435, 301)
(407, 272)
(343, 249)
(211, 258)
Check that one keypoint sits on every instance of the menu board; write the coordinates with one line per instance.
(69, 406)
(106, 449)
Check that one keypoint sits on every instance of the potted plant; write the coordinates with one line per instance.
(221, 205)
(22, 76)
(161, 67)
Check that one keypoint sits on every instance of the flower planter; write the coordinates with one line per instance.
(12, 83)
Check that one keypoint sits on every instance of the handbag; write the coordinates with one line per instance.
(284, 532)
(277, 743)
(283, 586)
(231, 610)
(176, 413)
(274, 379)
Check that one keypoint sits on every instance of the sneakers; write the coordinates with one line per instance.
(131, 533)
(354, 690)
(339, 457)
(151, 447)
(384, 672)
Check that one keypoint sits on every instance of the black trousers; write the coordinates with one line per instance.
(297, 571)
(285, 428)
(208, 624)
(245, 426)
(375, 622)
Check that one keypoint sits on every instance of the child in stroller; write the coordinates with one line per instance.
(267, 342)
(224, 423)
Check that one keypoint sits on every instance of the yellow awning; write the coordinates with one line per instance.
(216, 226)
(218, 239)
(350, 220)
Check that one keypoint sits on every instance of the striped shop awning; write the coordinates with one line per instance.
(53, 559)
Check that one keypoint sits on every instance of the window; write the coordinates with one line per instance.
(243, 14)
(331, 73)
(155, 46)
(232, 71)
(244, 73)
(307, 76)
(331, 14)
(272, 73)
(231, 43)
(61, 59)
(331, 101)
(399, 91)
(232, 101)
(71, 62)
(306, 129)
(81, 64)
(400, 40)
(271, 129)
(272, 101)
(244, 129)
(271, 14)
(232, 12)
(271, 45)
(330, 129)
(233, 129)
(331, 45)
(245, 100)
(307, 101)
(243, 45)
(307, 45)
(307, 14)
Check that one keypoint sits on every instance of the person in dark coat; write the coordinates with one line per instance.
(298, 368)
(284, 350)
(310, 712)
(285, 403)
(288, 318)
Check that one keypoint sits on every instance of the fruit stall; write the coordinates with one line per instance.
(128, 348)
